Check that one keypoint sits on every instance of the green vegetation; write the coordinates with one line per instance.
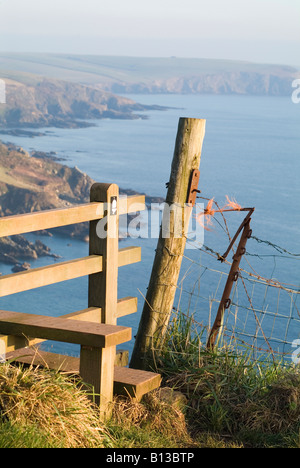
(229, 401)
(254, 402)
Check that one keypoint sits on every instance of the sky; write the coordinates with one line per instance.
(266, 31)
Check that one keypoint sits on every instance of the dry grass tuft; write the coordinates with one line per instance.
(52, 403)
(277, 410)
(153, 414)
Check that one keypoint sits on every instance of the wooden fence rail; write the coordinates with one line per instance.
(94, 328)
(49, 219)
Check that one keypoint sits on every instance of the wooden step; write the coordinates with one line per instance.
(67, 364)
(133, 382)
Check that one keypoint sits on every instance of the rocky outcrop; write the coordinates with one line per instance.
(14, 248)
(30, 184)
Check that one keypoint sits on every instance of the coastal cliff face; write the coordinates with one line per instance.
(143, 75)
(43, 102)
(30, 183)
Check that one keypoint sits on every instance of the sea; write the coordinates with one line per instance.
(250, 154)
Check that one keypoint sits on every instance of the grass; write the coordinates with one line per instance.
(152, 423)
(92, 68)
(226, 400)
(49, 408)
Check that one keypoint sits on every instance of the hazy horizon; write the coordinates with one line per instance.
(265, 31)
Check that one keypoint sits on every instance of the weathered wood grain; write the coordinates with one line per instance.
(171, 243)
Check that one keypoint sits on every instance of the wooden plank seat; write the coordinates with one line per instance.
(125, 306)
(98, 335)
(133, 382)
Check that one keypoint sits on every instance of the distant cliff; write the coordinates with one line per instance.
(120, 75)
(221, 83)
(31, 184)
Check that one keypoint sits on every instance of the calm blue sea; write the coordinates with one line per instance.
(251, 153)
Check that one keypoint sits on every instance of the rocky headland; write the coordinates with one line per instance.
(40, 102)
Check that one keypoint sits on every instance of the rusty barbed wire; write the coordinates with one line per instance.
(285, 317)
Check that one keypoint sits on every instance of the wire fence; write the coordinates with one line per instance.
(264, 312)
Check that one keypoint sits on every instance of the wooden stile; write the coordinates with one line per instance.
(104, 241)
(94, 328)
(48, 219)
(129, 255)
(131, 204)
(126, 306)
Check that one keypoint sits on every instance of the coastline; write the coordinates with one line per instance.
(19, 196)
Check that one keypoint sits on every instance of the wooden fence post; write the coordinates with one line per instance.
(103, 292)
(170, 248)
(104, 241)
